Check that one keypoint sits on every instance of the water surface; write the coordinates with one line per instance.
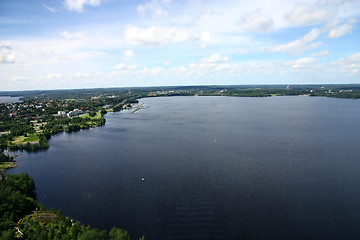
(8, 99)
(214, 168)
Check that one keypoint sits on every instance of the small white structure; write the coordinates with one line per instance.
(61, 113)
(74, 112)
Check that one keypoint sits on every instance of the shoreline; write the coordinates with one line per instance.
(8, 165)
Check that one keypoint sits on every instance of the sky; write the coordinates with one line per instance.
(66, 44)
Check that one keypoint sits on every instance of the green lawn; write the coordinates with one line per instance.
(31, 138)
(42, 216)
(97, 116)
(6, 165)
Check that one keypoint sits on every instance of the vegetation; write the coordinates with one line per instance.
(16, 199)
(6, 162)
(22, 217)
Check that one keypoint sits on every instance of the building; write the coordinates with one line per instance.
(61, 113)
(74, 112)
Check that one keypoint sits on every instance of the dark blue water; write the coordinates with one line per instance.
(214, 168)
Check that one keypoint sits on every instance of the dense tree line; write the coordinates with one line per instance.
(16, 128)
(16, 200)
(354, 94)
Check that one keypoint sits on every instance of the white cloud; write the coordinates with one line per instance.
(303, 62)
(243, 51)
(340, 30)
(55, 51)
(214, 64)
(19, 79)
(167, 63)
(153, 8)
(158, 36)
(321, 53)
(316, 44)
(298, 46)
(7, 54)
(350, 64)
(312, 35)
(50, 8)
(215, 58)
(51, 76)
(205, 36)
(123, 66)
(83, 55)
(81, 75)
(257, 23)
(78, 5)
(305, 15)
(129, 53)
(156, 70)
(75, 35)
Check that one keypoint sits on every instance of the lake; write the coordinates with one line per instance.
(214, 168)
(8, 99)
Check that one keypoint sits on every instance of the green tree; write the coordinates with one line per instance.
(8, 234)
(118, 234)
(93, 234)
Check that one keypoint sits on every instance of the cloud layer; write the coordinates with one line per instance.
(6, 54)
(105, 43)
(158, 36)
(78, 5)
(307, 15)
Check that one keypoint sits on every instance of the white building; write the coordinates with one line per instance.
(74, 112)
(61, 113)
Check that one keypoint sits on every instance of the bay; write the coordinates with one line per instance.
(213, 168)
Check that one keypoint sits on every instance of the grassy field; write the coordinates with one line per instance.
(42, 216)
(97, 116)
(7, 165)
(31, 138)
(92, 121)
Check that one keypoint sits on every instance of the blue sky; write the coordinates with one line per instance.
(63, 44)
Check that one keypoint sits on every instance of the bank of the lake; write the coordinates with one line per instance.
(7, 165)
(214, 167)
